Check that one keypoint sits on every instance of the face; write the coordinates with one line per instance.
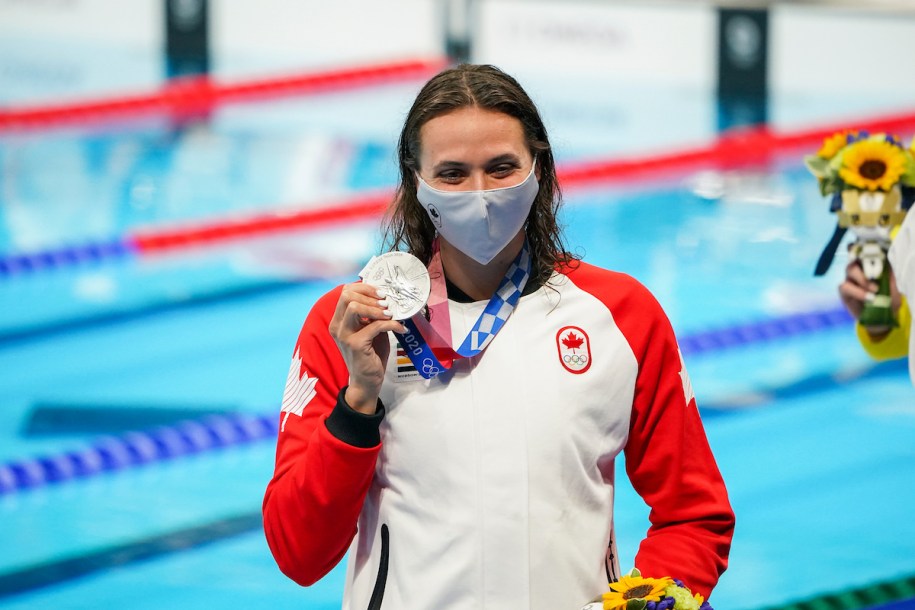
(472, 149)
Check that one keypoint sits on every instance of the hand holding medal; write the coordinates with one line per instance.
(364, 314)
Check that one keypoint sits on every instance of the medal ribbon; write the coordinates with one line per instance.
(430, 360)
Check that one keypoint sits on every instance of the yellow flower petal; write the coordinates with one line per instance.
(634, 587)
(872, 165)
(834, 144)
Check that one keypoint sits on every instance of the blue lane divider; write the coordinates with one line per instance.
(44, 260)
(60, 570)
(804, 386)
(133, 449)
(765, 330)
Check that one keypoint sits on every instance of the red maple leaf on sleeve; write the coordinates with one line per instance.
(572, 341)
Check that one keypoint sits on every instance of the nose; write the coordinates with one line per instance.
(478, 181)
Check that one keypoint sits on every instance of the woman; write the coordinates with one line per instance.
(489, 485)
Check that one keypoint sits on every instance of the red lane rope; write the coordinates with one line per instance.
(353, 210)
(734, 149)
(189, 96)
(739, 148)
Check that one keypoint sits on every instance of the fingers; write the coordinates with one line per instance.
(358, 305)
(855, 275)
(359, 326)
(365, 335)
(357, 315)
(358, 293)
(362, 313)
(853, 297)
(856, 289)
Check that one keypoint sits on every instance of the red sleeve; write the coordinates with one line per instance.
(668, 458)
(313, 501)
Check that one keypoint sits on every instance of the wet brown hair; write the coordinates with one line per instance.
(407, 225)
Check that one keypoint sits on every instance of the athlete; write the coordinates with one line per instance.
(464, 458)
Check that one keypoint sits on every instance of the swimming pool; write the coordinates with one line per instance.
(813, 439)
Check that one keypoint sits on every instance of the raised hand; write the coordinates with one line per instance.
(359, 327)
(856, 290)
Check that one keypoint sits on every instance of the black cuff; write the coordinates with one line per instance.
(353, 427)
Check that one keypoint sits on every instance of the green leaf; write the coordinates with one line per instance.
(831, 185)
(817, 165)
(908, 176)
(636, 604)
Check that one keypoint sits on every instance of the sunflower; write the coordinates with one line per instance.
(835, 143)
(635, 587)
(872, 165)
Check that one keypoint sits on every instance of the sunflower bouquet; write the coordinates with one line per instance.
(870, 179)
(635, 592)
(858, 160)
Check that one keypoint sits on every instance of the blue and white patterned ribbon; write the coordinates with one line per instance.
(490, 322)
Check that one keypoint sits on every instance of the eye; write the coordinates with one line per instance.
(503, 170)
(450, 176)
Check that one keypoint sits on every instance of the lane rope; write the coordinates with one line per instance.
(735, 149)
(190, 96)
(134, 449)
(766, 330)
(56, 571)
(215, 432)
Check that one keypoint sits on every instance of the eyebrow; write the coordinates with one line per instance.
(503, 158)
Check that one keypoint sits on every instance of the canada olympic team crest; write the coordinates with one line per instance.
(574, 349)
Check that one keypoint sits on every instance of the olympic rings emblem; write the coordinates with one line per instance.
(429, 368)
(575, 359)
(574, 349)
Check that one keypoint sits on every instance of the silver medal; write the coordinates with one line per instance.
(405, 280)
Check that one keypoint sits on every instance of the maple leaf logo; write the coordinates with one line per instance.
(299, 390)
(573, 341)
(688, 393)
(574, 349)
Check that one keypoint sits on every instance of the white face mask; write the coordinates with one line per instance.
(479, 223)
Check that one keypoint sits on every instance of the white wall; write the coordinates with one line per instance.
(828, 63)
(816, 49)
(59, 50)
(645, 42)
(56, 49)
(282, 35)
(131, 23)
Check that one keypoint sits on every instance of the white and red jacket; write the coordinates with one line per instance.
(491, 486)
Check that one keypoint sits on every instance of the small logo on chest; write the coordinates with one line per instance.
(574, 349)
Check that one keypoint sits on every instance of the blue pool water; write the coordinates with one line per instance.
(814, 439)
